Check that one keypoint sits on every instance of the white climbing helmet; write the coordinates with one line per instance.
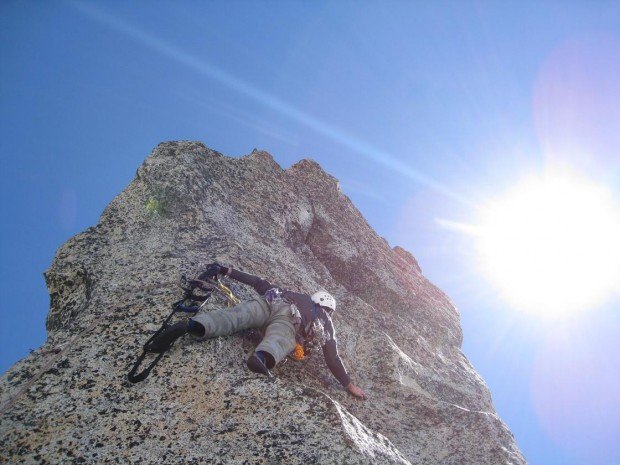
(324, 299)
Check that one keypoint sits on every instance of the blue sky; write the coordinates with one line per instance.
(422, 110)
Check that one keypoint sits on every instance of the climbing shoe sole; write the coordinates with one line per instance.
(255, 365)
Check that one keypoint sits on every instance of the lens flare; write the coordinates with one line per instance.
(574, 389)
(576, 102)
(551, 244)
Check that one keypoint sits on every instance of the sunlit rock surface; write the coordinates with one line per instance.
(112, 285)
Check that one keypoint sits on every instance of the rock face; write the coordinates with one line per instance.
(112, 285)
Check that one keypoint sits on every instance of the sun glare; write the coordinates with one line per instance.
(552, 245)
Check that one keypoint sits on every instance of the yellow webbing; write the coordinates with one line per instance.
(231, 298)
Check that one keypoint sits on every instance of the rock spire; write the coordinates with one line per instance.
(111, 286)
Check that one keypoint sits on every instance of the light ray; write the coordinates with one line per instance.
(347, 140)
(236, 115)
(468, 229)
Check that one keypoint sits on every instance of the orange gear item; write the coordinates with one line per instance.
(298, 353)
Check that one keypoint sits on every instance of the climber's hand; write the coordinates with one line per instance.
(213, 269)
(356, 391)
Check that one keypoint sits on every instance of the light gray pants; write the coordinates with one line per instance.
(275, 319)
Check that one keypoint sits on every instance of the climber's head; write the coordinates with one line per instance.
(325, 300)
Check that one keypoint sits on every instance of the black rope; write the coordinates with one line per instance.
(179, 306)
(190, 287)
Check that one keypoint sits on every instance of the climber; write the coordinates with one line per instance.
(284, 315)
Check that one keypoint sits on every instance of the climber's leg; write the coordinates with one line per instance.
(251, 314)
(279, 338)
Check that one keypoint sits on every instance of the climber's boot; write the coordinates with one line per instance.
(257, 364)
(164, 341)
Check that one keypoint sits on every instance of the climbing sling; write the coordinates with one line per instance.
(191, 303)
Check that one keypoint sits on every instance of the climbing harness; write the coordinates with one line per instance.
(191, 303)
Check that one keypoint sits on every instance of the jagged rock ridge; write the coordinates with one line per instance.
(111, 286)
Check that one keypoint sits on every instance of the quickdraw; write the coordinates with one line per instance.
(231, 298)
(191, 303)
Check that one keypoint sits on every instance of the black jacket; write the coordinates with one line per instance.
(313, 320)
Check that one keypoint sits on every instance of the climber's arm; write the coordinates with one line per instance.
(214, 269)
(334, 362)
(330, 352)
(261, 285)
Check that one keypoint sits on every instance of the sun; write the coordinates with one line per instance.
(552, 244)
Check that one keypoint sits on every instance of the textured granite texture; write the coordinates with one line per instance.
(112, 285)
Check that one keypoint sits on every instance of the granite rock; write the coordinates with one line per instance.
(111, 286)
